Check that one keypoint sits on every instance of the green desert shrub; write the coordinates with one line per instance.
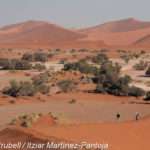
(43, 88)
(136, 55)
(4, 62)
(83, 67)
(15, 64)
(12, 101)
(23, 65)
(110, 82)
(141, 65)
(13, 90)
(24, 88)
(40, 79)
(147, 96)
(72, 101)
(39, 67)
(42, 57)
(100, 58)
(136, 92)
(126, 58)
(58, 50)
(67, 85)
(28, 57)
(143, 52)
(28, 119)
(148, 71)
(100, 89)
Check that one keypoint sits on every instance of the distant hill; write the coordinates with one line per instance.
(37, 31)
(125, 25)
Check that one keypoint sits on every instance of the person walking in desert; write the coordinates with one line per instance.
(118, 117)
(137, 116)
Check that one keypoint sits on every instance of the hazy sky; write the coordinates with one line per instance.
(70, 13)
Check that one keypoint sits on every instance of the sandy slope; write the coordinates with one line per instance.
(143, 41)
(40, 34)
(132, 135)
(120, 38)
(34, 31)
(125, 25)
(120, 136)
(15, 135)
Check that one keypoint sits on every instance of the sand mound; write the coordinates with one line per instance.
(132, 135)
(15, 135)
(125, 25)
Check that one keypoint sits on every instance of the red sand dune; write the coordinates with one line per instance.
(131, 135)
(144, 41)
(120, 38)
(120, 136)
(125, 25)
(35, 31)
(123, 32)
(38, 34)
(18, 134)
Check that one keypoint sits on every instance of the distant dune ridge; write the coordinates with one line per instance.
(124, 32)
(125, 25)
(144, 41)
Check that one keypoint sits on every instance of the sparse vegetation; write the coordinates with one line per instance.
(100, 58)
(27, 120)
(27, 88)
(12, 101)
(60, 119)
(39, 67)
(147, 96)
(28, 57)
(82, 66)
(19, 89)
(67, 85)
(126, 58)
(41, 57)
(72, 101)
(15, 64)
(136, 92)
(110, 82)
(148, 71)
(141, 65)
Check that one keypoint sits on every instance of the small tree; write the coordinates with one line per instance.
(44, 89)
(126, 58)
(4, 62)
(23, 65)
(141, 65)
(100, 58)
(136, 92)
(28, 57)
(148, 71)
(26, 89)
(40, 79)
(67, 85)
(42, 57)
(147, 96)
(39, 67)
(13, 90)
